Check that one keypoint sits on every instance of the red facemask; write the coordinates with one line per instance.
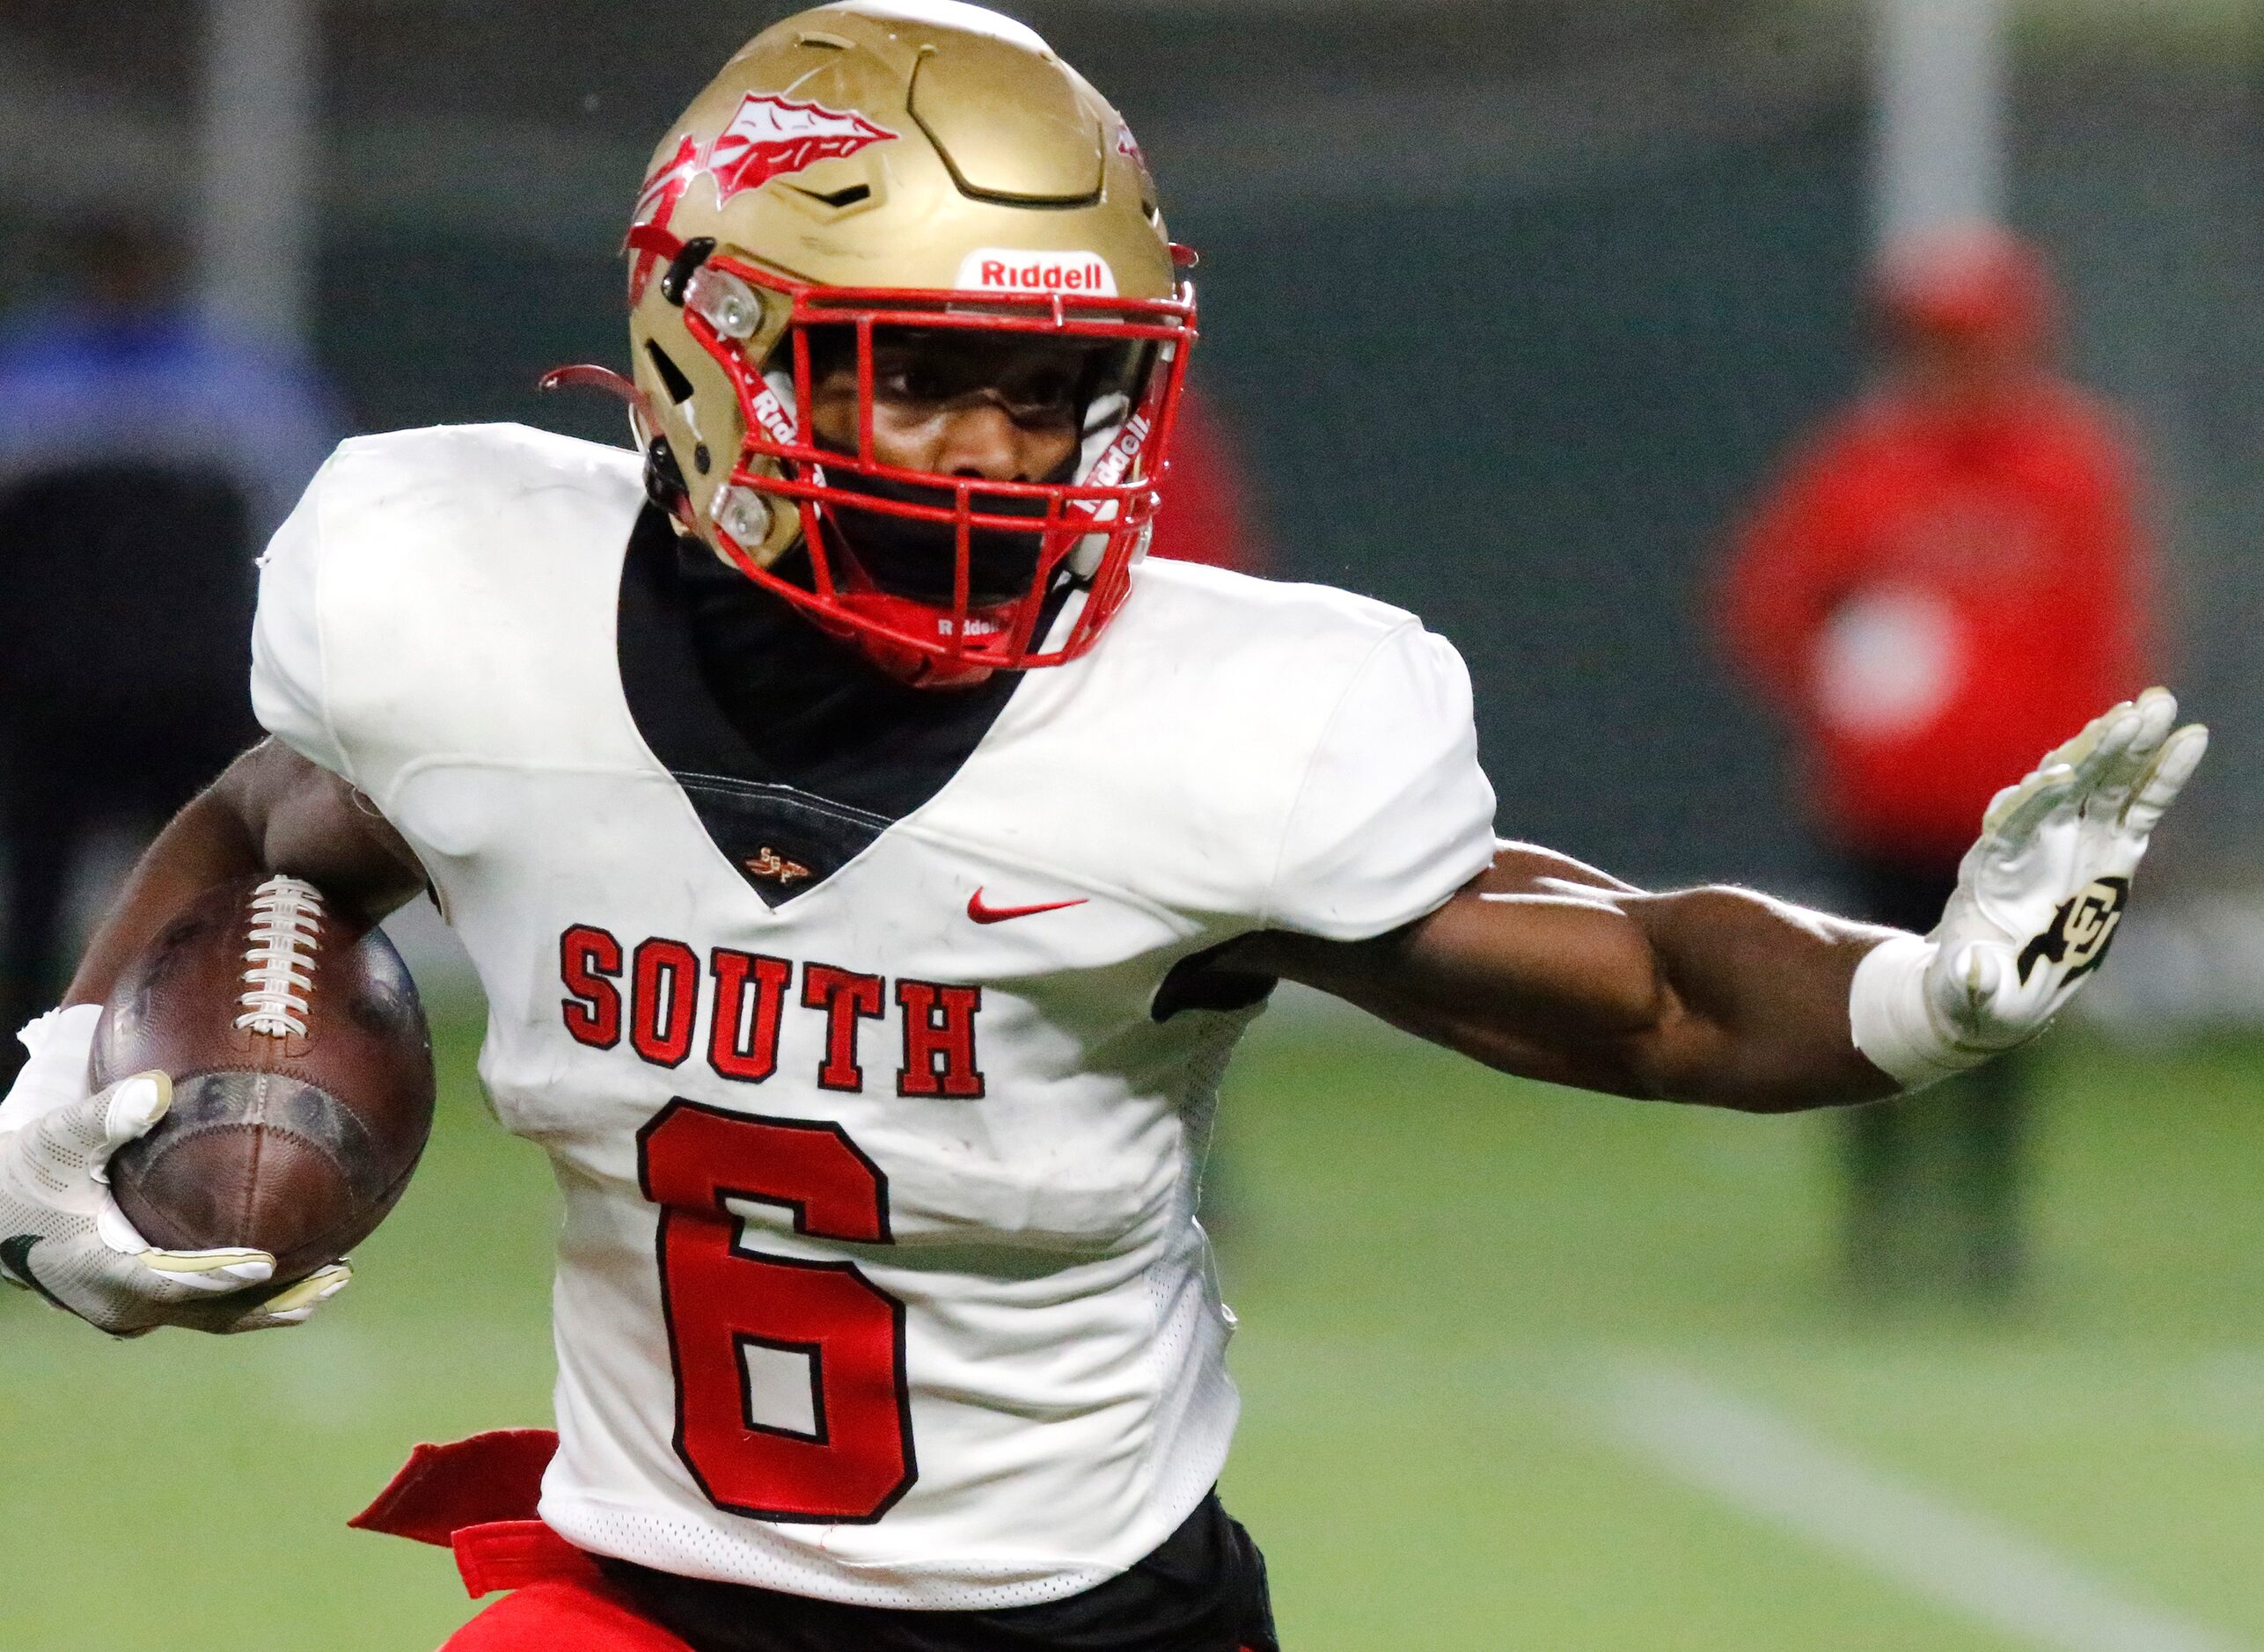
(1083, 532)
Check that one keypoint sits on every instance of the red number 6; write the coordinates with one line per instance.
(719, 1300)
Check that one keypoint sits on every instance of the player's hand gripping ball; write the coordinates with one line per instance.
(67, 1241)
(301, 1069)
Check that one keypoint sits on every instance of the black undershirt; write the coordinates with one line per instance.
(796, 752)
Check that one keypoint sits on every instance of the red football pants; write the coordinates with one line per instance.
(478, 1497)
(563, 1615)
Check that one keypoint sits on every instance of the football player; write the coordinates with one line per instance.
(871, 863)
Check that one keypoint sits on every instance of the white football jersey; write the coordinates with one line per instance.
(880, 1278)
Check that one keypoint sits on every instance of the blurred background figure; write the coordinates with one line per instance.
(145, 452)
(1947, 578)
(1209, 516)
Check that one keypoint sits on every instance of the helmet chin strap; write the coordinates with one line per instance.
(664, 482)
(907, 664)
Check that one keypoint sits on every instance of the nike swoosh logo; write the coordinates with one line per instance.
(16, 1257)
(983, 914)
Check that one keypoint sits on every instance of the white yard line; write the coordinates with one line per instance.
(1756, 1461)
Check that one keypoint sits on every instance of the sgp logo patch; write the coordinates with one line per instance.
(2080, 931)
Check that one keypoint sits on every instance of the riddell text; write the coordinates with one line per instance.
(652, 996)
(1046, 277)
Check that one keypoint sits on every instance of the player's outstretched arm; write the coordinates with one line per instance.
(60, 1233)
(1546, 967)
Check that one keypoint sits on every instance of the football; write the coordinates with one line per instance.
(302, 1073)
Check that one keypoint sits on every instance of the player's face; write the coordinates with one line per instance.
(963, 404)
(952, 402)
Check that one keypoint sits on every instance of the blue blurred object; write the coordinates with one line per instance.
(82, 381)
(146, 452)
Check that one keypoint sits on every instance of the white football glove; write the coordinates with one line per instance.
(2038, 899)
(63, 1236)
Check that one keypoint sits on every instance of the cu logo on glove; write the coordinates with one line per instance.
(2080, 930)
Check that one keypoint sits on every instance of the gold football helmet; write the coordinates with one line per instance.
(910, 168)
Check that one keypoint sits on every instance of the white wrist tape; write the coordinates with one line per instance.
(62, 1045)
(1887, 1012)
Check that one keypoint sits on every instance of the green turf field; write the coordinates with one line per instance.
(1521, 1370)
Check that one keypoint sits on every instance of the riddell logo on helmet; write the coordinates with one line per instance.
(771, 136)
(1005, 270)
(771, 414)
(1110, 468)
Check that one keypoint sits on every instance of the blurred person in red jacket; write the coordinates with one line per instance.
(1207, 516)
(1948, 571)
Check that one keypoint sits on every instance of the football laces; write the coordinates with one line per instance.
(286, 920)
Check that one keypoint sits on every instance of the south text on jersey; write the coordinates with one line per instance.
(667, 1002)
